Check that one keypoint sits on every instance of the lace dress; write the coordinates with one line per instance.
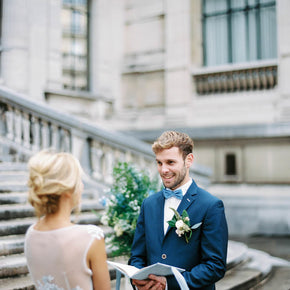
(57, 259)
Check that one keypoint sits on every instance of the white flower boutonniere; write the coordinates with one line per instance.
(182, 224)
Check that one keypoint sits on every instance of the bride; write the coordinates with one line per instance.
(60, 254)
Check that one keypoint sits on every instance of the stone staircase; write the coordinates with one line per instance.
(16, 215)
(247, 268)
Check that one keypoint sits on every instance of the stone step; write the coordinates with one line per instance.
(11, 176)
(21, 196)
(15, 187)
(14, 211)
(14, 244)
(13, 166)
(10, 245)
(22, 282)
(14, 263)
(247, 269)
(20, 186)
(237, 254)
(254, 271)
(13, 197)
(19, 226)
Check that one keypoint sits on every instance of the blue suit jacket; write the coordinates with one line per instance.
(204, 257)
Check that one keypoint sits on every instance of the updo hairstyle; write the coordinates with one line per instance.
(50, 175)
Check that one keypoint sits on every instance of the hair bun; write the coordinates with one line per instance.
(36, 182)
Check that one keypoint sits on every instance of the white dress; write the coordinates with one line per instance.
(57, 259)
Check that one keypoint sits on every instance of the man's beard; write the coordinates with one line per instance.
(179, 179)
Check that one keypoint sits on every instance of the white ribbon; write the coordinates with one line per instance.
(180, 279)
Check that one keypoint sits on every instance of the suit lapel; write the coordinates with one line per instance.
(159, 210)
(188, 198)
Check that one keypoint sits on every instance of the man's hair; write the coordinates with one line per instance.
(171, 139)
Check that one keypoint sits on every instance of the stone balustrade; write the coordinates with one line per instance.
(236, 78)
(27, 127)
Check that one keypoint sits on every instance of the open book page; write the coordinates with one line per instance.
(127, 270)
(158, 269)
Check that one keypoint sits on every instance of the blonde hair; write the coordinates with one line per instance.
(171, 139)
(50, 175)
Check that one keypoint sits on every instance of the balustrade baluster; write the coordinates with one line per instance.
(55, 137)
(236, 81)
(65, 140)
(230, 82)
(205, 85)
(270, 78)
(243, 80)
(3, 129)
(18, 126)
(257, 81)
(224, 83)
(108, 164)
(26, 130)
(199, 85)
(263, 79)
(10, 123)
(96, 159)
(211, 86)
(35, 123)
(122, 156)
(250, 81)
(217, 83)
(45, 142)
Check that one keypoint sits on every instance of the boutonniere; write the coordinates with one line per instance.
(182, 224)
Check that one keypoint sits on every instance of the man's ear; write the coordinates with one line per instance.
(189, 160)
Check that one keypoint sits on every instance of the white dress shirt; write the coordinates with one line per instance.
(174, 203)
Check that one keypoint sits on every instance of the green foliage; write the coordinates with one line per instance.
(130, 187)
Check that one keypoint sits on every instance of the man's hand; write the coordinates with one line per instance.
(153, 282)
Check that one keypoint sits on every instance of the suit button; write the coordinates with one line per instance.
(163, 256)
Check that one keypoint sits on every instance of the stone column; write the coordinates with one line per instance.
(177, 60)
(283, 43)
(54, 45)
(15, 54)
(31, 40)
(106, 47)
(80, 149)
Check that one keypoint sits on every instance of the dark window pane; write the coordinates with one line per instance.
(231, 164)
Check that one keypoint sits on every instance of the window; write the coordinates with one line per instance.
(231, 168)
(238, 31)
(1, 19)
(75, 50)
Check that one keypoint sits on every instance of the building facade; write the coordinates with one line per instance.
(216, 69)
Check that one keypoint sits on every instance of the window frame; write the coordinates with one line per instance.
(72, 33)
(229, 12)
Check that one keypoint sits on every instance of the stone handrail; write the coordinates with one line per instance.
(27, 127)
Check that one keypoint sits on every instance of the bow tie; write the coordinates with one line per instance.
(172, 193)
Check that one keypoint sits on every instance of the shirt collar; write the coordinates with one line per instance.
(185, 186)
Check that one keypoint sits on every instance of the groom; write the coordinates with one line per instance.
(203, 255)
